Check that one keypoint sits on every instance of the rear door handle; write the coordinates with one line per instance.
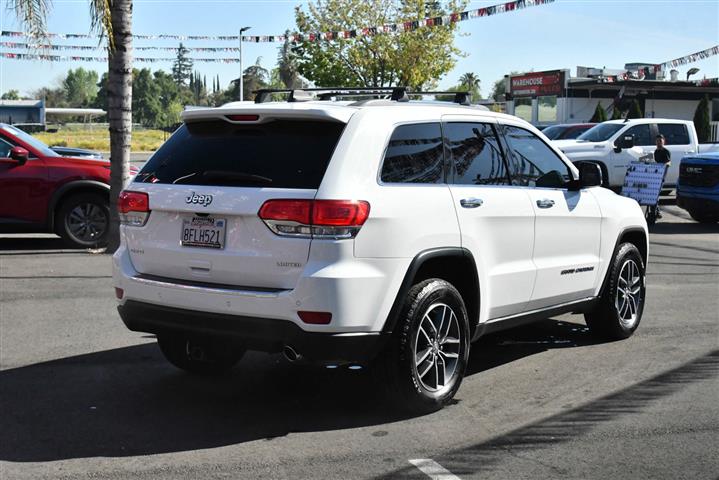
(545, 203)
(471, 202)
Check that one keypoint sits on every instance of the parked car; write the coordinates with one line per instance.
(566, 131)
(698, 188)
(76, 152)
(381, 233)
(41, 191)
(615, 143)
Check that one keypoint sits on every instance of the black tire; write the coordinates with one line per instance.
(83, 220)
(199, 355)
(704, 216)
(620, 298)
(397, 368)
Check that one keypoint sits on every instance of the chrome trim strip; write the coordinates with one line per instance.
(207, 287)
(539, 310)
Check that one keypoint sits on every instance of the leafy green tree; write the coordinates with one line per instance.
(616, 113)
(80, 87)
(53, 97)
(635, 111)
(599, 114)
(287, 67)
(417, 59)
(498, 88)
(11, 95)
(182, 66)
(254, 78)
(146, 105)
(702, 121)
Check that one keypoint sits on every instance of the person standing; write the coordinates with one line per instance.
(664, 156)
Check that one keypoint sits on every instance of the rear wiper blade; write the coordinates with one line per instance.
(236, 176)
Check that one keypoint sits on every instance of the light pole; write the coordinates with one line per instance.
(242, 73)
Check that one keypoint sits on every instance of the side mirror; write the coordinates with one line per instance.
(590, 175)
(625, 141)
(19, 154)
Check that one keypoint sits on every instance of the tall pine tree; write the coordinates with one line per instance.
(182, 66)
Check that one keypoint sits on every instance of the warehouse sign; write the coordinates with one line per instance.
(537, 84)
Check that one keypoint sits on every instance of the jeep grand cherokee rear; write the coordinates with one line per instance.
(226, 247)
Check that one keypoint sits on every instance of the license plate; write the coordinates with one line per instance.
(206, 232)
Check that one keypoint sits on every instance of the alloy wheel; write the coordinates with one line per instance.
(86, 222)
(629, 294)
(437, 347)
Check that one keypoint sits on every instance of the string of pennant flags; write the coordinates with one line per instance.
(691, 58)
(329, 36)
(38, 46)
(77, 58)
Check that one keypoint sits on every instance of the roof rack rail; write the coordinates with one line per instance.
(397, 94)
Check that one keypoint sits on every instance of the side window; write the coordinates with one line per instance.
(476, 154)
(674, 133)
(4, 149)
(531, 162)
(414, 155)
(642, 135)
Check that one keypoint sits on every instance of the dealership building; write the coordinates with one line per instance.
(552, 97)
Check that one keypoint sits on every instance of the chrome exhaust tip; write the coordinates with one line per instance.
(290, 354)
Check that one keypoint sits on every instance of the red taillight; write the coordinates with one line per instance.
(340, 213)
(315, 218)
(243, 118)
(133, 202)
(315, 318)
(299, 211)
(134, 208)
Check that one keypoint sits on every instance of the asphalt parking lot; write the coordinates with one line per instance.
(83, 397)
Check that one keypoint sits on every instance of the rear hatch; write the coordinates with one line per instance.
(206, 185)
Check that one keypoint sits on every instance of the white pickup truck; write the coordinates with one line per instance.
(616, 143)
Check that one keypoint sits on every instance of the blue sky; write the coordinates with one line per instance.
(563, 34)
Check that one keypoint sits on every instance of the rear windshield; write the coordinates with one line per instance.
(277, 154)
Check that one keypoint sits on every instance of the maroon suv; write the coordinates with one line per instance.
(41, 191)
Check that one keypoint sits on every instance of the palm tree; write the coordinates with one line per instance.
(113, 18)
(470, 82)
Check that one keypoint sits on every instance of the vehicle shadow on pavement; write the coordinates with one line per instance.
(22, 245)
(684, 228)
(130, 401)
(507, 346)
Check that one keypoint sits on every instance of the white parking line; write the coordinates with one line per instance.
(433, 470)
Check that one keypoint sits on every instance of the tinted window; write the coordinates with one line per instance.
(30, 140)
(414, 155)
(554, 132)
(4, 149)
(531, 162)
(601, 132)
(674, 133)
(642, 135)
(573, 133)
(476, 154)
(279, 154)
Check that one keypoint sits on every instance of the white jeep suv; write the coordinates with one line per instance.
(383, 233)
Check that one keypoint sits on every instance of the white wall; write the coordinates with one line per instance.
(677, 109)
(580, 110)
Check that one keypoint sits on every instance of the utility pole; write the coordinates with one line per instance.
(242, 72)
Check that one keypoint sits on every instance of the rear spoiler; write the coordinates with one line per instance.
(267, 113)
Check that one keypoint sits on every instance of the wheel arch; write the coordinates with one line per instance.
(73, 188)
(453, 264)
(637, 236)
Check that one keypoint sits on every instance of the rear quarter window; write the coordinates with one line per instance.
(276, 154)
(415, 154)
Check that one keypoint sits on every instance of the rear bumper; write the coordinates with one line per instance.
(263, 334)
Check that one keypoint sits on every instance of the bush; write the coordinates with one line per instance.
(635, 111)
(701, 120)
(599, 114)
